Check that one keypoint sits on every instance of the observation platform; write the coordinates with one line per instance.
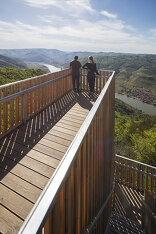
(30, 154)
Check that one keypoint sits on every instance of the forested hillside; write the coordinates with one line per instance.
(11, 62)
(10, 74)
(135, 134)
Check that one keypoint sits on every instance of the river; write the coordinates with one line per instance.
(52, 68)
(134, 102)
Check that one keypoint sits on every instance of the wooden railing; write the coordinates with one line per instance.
(20, 100)
(83, 181)
(149, 213)
(135, 174)
(139, 177)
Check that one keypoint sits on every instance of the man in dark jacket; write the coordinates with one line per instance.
(75, 65)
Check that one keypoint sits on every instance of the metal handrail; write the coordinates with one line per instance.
(37, 217)
(140, 163)
(135, 169)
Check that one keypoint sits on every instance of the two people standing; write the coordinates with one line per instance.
(91, 70)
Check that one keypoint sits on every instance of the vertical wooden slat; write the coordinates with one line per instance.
(11, 107)
(79, 193)
(68, 207)
(5, 111)
(0, 114)
(62, 211)
(56, 218)
(76, 166)
(84, 185)
(88, 143)
(73, 210)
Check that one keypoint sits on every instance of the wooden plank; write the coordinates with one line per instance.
(9, 222)
(78, 114)
(50, 161)
(33, 164)
(56, 139)
(18, 154)
(20, 186)
(78, 106)
(74, 116)
(25, 173)
(72, 119)
(53, 145)
(38, 147)
(67, 131)
(66, 126)
(14, 202)
(61, 134)
(48, 151)
(70, 123)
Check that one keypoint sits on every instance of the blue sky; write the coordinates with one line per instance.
(79, 25)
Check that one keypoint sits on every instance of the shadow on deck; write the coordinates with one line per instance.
(30, 154)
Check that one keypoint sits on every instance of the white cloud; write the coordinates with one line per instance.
(44, 3)
(73, 6)
(153, 33)
(71, 26)
(98, 36)
(109, 15)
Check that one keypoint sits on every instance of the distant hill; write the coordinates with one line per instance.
(11, 62)
(50, 56)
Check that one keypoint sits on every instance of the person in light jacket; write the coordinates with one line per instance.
(91, 70)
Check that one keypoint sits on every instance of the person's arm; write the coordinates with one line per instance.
(96, 70)
(85, 66)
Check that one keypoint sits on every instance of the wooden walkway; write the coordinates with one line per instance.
(31, 153)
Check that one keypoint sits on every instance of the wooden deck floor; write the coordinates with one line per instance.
(30, 154)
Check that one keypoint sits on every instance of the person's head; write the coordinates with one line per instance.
(90, 58)
(76, 57)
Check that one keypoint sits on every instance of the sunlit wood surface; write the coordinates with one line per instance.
(30, 154)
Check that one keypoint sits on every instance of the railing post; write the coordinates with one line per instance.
(24, 108)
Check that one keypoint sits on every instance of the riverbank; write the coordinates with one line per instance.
(144, 96)
(138, 104)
